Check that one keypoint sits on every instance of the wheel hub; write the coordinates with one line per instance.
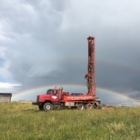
(48, 107)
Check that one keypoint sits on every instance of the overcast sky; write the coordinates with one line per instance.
(44, 42)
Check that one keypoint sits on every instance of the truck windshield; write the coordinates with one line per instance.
(49, 91)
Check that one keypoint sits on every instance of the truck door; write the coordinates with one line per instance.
(54, 96)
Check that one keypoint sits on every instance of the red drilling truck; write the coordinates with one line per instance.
(57, 98)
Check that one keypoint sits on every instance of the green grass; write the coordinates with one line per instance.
(22, 121)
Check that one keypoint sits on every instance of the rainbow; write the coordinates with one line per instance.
(76, 88)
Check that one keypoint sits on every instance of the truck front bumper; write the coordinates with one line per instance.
(35, 103)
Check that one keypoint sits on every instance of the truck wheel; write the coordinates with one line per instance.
(40, 107)
(47, 106)
(99, 107)
(80, 106)
(94, 106)
(89, 106)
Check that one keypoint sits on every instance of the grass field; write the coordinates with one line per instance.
(22, 121)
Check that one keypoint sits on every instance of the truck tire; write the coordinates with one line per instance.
(95, 106)
(40, 107)
(99, 106)
(89, 106)
(80, 106)
(48, 106)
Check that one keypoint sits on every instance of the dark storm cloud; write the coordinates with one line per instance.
(136, 96)
(136, 80)
(45, 42)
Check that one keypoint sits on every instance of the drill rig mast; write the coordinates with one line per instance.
(90, 76)
(58, 98)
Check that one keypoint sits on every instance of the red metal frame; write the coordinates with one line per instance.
(90, 76)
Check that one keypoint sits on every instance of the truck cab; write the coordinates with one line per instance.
(51, 98)
(52, 95)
